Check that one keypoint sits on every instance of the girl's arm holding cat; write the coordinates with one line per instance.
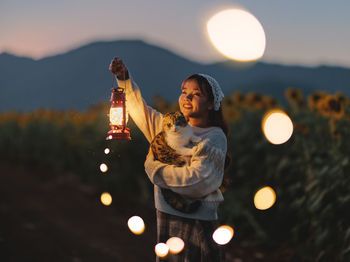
(202, 177)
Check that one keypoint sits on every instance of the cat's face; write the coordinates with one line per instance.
(174, 121)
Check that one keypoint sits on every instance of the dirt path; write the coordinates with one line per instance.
(61, 220)
(53, 217)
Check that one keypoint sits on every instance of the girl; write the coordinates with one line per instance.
(200, 178)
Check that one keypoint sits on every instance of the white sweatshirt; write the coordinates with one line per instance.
(203, 174)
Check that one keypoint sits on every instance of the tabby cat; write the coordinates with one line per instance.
(169, 147)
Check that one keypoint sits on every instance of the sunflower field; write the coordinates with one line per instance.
(310, 173)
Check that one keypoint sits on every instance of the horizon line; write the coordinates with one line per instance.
(96, 41)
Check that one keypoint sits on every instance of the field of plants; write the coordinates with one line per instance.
(309, 173)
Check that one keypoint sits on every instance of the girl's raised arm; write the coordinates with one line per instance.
(147, 119)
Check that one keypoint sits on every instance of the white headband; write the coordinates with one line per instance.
(216, 89)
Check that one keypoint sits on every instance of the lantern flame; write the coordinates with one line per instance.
(116, 116)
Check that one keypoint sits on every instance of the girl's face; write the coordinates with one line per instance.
(194, 103)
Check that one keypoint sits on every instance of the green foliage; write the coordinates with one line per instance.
(75, 142)
(310, 176)
(310, 173)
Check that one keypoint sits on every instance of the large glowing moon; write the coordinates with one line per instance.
(237, 34)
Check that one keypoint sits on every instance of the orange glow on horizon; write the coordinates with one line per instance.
(29, 43)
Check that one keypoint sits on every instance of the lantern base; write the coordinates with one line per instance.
(118, 134)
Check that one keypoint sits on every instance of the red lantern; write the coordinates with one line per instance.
(118, 116)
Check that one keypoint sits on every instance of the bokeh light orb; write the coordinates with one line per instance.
(264, 198)
(103, 168)
(136, 225)
(175, 244)
(107, 151)
(223, 234)
(277, 127)
(237, 34)
(106, 199)
(161, 250)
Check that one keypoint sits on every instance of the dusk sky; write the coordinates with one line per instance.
(304, 32)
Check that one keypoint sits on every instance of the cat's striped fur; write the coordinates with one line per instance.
(177, 133)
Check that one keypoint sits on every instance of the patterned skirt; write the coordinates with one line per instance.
(197, 235)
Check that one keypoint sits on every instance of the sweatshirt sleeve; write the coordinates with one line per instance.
(201, 177)
(147, 119)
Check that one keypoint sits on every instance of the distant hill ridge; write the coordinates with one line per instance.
(80, 77)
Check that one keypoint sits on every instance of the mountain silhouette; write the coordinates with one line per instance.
(80, 78)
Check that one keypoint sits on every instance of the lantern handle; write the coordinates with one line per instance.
(113, 76)
(113, 79)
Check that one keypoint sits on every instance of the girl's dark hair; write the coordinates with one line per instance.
(216, 118)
